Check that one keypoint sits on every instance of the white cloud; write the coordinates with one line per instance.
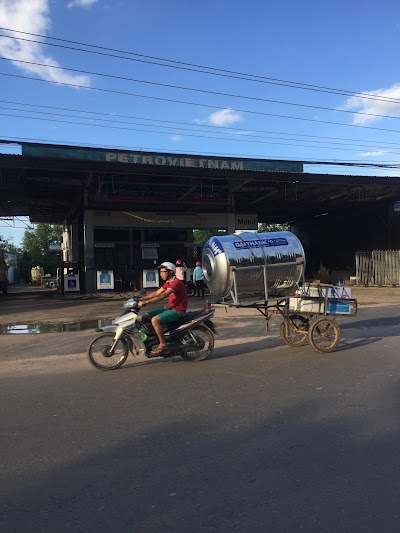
(82, 3)
(375, 153)
(223, 117)
(375, 107)
(248, 132)
(31, 16)
(176, 138)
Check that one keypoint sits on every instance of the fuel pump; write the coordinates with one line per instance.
(70, 283)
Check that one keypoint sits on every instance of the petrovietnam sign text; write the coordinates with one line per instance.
(170, 161)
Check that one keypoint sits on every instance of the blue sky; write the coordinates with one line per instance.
(342, 50)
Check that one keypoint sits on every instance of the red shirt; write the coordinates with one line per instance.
(178, 298)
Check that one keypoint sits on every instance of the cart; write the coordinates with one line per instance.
(308, 313)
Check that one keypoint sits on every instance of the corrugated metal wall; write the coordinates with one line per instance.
(378, 267)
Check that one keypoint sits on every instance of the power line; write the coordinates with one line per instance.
(244, 136)
(202, 91)
(121, 128)
(230, 128)
(193, 67)
(246, 140)
(208, 106)
(14, 219)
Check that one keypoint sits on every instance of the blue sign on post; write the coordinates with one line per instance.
(105, 280)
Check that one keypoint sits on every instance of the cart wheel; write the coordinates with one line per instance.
(324, 335)
(294, 330)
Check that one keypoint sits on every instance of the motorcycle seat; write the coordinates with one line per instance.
(186, 318)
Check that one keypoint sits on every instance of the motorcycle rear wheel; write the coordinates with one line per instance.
(98, 352)
(191, 289)
(204, 339)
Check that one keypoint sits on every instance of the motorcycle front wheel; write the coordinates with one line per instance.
(101, 357)
(199, 345)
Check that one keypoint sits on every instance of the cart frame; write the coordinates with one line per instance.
(318, 325)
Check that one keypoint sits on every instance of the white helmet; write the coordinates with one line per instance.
(168, 266)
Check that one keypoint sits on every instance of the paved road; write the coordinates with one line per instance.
(261, 437)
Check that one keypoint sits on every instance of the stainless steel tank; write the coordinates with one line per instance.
(246, 254)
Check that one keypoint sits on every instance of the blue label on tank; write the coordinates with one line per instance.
(215, 246)
(261, 243)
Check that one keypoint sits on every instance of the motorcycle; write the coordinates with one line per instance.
(192, 338)
(190, 288)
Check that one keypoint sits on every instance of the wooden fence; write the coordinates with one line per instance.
(379, 267)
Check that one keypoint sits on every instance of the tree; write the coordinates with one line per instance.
(35, 248)
(8, 246)
(264, 228)
(201, 236)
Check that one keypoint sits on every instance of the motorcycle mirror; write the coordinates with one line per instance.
(138, 294)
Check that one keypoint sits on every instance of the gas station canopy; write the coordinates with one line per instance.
(53, 183)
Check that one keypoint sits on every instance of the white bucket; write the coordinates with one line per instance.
(353, 280)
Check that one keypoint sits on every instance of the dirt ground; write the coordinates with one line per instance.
(24, 354)
(27, 305)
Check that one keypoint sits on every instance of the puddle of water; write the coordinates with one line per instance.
(12, 329)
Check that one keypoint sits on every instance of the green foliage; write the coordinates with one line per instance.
(264, 228)
(201, 236)
(35, 249)
(7, 246)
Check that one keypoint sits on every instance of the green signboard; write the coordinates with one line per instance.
(157, 159)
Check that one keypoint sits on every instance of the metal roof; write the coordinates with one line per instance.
(51, 189)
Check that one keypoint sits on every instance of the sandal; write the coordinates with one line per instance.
(159, 351)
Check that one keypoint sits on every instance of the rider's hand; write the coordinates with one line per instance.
(141, 303)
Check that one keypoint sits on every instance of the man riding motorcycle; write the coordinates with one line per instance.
(173, 289)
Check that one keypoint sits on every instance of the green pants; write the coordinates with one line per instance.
(166, 315)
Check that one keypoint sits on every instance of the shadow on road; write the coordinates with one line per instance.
(349, 344)
(282, 470)
(378, 322)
